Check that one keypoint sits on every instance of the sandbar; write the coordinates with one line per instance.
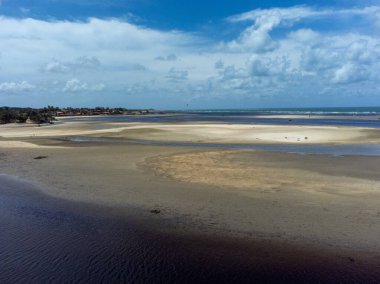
(201, 132)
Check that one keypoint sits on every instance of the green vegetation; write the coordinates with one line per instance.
(27, 115)
(48, 114)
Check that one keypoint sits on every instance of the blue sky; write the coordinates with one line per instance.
(168, 54)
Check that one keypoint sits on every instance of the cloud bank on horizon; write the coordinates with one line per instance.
(274, 57)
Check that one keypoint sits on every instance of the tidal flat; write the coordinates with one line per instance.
(181, 213)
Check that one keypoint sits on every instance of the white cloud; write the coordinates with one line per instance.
(74, 85)
(55, 66)
(257, 38)
(306, 36)
(264, 67)
(289, 16)
(16, 86)
(350, 73)
(80, 63)
(253, 39)
(261, 61)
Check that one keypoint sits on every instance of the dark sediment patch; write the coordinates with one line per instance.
(155, 211)
(40, 157)
(44, 239)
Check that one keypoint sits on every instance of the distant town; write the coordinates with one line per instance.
(48, 114)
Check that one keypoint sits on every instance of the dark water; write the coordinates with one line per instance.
(355, 117)
(47, 240)
(330, 111)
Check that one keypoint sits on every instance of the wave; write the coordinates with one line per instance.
(349, 111)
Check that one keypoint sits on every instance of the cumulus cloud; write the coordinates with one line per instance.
(264, 67)
(278, 52)
(55, 66)
(74, 85)
(80, 63)
(349, 73)
(306, 36)
(343, 58)
(16, 86)
(253, 39)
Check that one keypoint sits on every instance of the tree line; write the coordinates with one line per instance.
(24, 115)
(48, 114)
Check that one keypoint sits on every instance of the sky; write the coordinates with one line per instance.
(180, 54)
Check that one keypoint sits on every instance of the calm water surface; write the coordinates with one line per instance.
(354, 117)
(311, 149)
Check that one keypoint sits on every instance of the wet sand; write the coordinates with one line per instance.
(53, 240)
(303, 199)
(323, 206)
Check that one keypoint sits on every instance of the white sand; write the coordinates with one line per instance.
(20, 144)
(198, 132)
(242, 133)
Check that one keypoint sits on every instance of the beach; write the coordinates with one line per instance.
(199, 132)
(323, 207)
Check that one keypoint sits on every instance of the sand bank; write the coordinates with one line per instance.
(276, 196)
(202, 132)
(242, 133)
(56, 130)
(22, 144)
(232, 169)
(314, 201)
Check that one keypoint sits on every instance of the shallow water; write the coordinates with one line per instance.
(371, 121)
(311, 149)
(45, 240)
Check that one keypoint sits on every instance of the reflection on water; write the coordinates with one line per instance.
(313, 149)
(46, 240)
(236, 117)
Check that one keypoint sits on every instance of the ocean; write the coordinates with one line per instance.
(334, 111)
